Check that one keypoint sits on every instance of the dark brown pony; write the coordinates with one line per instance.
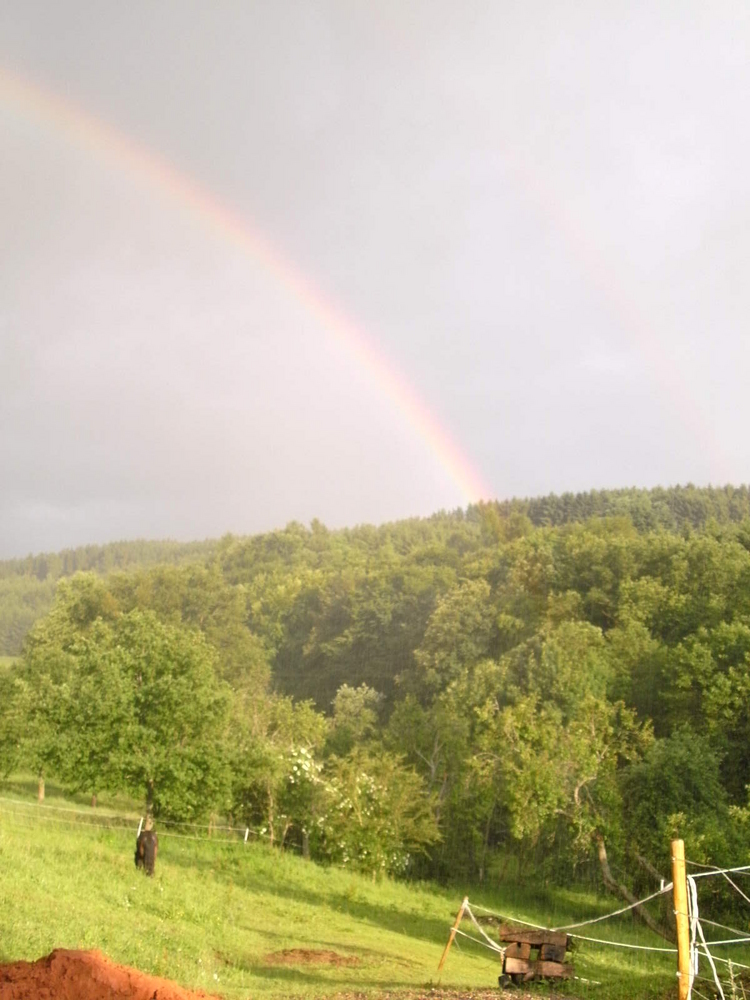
(145, 849)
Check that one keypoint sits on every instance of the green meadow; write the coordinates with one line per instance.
(218, 912)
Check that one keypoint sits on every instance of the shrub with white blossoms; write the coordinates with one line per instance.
(303, 788)
(376, 813)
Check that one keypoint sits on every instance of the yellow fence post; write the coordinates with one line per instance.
(454, 928)
(679, 894)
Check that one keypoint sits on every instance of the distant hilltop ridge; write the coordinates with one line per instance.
(672, 508)
(449, 539)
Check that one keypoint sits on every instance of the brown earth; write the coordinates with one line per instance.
(85, 975)
(308, 956)
(89, 975)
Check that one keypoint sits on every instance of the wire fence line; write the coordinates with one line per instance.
(133, 816)
(616, 913)
(28, 822)
(725, 873)
(47, 807)
(34, 812)
(700, 946)
(623, 944)
(579, 924)
(86, 819)
(714, 870)
(505, 916)
(725, 961)
(489, 942)
(723, 927)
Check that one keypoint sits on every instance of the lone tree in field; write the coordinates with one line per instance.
(143, 709)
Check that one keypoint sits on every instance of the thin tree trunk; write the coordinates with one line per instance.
(645, 864)
(484, 846)
(305, 844)
(622, 891)
(93, 801)
(270, 814)
(40, 788)
(666, 900)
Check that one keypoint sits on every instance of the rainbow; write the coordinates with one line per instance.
(52, 111)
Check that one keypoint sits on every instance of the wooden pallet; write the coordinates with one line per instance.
(547, 962)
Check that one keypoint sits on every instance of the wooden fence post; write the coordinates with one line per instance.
(679, 894)
(454, 928)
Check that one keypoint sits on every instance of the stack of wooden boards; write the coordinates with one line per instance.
(547, 961)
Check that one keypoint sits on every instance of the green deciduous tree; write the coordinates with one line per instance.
(459, 634)
(676, 790)
(355, 717)
(269, 738)
(134, 704)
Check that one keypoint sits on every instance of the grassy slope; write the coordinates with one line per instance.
(214, 911)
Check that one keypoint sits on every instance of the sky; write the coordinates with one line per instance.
(363, 261)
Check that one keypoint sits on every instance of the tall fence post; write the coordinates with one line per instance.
(682, 923)
(454, 928)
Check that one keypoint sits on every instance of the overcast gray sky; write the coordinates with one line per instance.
(537, 213)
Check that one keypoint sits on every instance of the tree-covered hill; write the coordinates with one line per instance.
(105, 558)
(559, 678)
(673, 509)
(27, 585)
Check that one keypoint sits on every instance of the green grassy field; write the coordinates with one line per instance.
(217, 912)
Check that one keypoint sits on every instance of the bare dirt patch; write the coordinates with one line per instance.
(85, 975)
(309, 956)
(89, 975)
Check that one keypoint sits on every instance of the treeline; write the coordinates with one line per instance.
(674, 509)
(27, 586)
(432, 696)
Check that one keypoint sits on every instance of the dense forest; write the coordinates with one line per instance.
(564, 682)
(27, 586)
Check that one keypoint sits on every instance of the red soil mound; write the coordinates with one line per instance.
(85, 975)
